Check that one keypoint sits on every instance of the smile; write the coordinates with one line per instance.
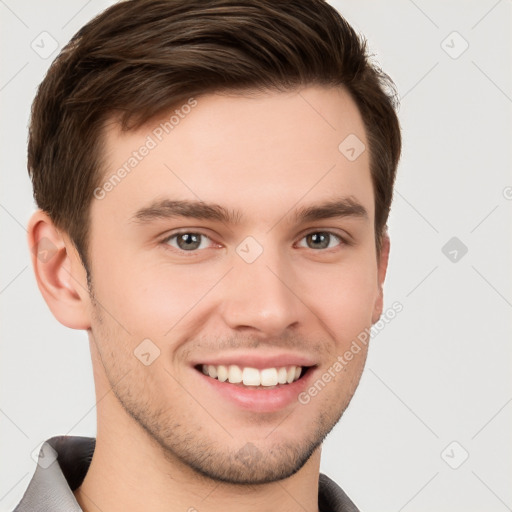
(247, 376)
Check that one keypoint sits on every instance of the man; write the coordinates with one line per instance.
(213, 182)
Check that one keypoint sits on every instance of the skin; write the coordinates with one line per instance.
(166, 441)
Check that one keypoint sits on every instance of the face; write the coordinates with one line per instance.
(239, 245)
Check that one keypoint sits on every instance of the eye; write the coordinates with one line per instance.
(187, 241)
(322, 240)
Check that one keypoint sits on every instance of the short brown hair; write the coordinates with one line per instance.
(140, 58)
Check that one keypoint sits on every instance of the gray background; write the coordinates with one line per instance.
(438, 373)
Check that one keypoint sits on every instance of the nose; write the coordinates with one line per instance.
(260, 296)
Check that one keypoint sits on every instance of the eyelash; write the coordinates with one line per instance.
(165, 242)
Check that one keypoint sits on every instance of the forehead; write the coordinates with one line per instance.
(259, 153)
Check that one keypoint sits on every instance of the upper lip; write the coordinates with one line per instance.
(258, 361)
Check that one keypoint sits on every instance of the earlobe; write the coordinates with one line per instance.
(59, 273)
(381, 275)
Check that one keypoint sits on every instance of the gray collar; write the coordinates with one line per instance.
(63, 463)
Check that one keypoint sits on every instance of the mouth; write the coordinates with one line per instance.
(254, 378)
(256, 382)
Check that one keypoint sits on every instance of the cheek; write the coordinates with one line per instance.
(149, 298)
(343, 295)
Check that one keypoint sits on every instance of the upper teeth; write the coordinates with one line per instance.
(252, 376)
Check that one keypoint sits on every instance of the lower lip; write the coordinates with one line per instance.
(260, 399)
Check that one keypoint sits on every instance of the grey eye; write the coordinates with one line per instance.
(320, 240)
(187, 241)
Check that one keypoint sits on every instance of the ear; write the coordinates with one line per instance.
(381, 275)
(60, 274)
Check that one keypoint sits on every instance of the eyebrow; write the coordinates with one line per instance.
(168, 208)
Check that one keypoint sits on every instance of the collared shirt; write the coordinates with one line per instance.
(64, 461)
